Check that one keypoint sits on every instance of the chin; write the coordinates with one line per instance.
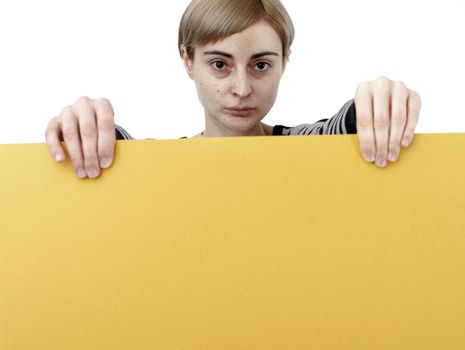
(243, 126)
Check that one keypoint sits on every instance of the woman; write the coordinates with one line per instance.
(236, 52)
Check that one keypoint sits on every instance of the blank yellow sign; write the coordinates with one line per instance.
(235, 243)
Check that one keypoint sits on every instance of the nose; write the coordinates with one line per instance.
(241, 85)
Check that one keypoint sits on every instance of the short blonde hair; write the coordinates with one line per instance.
(207, 21)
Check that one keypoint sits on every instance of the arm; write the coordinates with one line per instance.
(122, 134)
(343, 122)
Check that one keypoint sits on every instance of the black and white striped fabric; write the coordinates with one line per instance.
(343, 122)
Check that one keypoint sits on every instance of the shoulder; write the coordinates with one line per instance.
(343, 122)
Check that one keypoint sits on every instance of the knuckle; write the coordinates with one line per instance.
(76, 159)
(381, 124)
(381, 83)
(75, 154)
(409, 130)
(68, 119)
(382, 120)
(52, 122)
(362, 87)
(83, 105)
(415, 110)
(69, 132)
(394, 149)
(414, 114)
(88, 130)
(381, 151)
(399, 116)
(416, 98)
(399, 84)
(51, 126)
(77, 164)
(394, 146)
(82, 100)
(48, 134)
(83, 108)
(384, 86)
(104, 104)
(106, 124)
(66, 111)
(382, 78)
(91, 161)
(363, 121)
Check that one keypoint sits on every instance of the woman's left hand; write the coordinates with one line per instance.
(387, 115)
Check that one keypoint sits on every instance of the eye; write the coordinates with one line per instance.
(218, 65)
(262, 66)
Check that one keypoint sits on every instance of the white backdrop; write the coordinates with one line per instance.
(54, 51)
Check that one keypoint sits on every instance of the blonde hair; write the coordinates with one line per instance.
(207, 21)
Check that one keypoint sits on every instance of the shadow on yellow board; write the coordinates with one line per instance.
(235, 243)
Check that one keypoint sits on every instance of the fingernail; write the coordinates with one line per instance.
(381, 162)
(369, 157)
(93, 172)
(105, 162)
(392, 156)
(81, 173)
(58, 157)
(406, 141)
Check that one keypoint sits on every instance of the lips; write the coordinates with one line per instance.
(240, 111)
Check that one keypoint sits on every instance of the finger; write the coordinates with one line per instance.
(364, 119)
(106, 132)
(382, 116)
(52, 137)
(413, 113)
(398, 118)
(72, 140)
(88, 132)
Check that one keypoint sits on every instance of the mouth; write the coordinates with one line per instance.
(239, 111)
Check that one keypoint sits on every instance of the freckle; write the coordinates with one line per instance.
(217, 90)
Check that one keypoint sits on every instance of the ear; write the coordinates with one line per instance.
(187, 61)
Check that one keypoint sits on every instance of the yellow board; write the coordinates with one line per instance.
(235, 243)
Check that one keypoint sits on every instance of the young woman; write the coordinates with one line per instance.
(236, 52)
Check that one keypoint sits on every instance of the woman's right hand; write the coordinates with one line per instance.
(88, 130)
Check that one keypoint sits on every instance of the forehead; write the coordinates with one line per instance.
(258, 37)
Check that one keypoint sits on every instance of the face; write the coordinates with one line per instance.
(237, 80)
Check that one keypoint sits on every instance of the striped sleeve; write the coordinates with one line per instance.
(122, 134)
(343, 122)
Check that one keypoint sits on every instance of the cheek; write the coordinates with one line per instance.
(209, 92)
(269, 90)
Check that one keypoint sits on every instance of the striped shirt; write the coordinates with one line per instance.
(343, 122)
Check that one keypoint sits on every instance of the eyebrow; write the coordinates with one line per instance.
(255, 55)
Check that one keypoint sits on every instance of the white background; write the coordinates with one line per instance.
(54, 51)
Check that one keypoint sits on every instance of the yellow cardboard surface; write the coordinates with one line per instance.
(235, 243)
